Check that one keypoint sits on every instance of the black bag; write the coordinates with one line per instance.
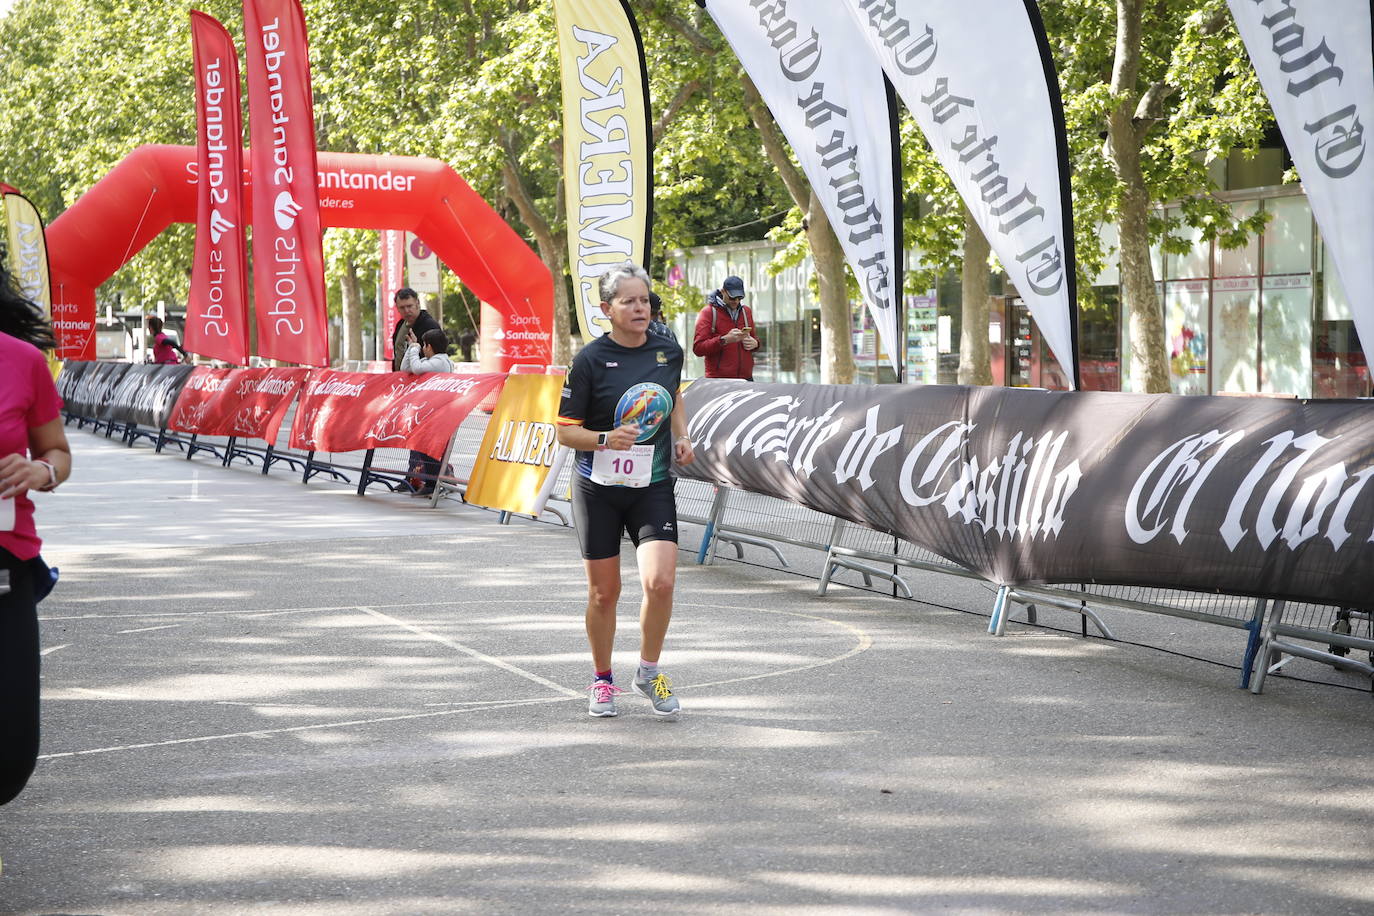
(44, 578)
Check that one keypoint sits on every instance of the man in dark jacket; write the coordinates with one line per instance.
(413, 318)
(725, 333)
(416, 321)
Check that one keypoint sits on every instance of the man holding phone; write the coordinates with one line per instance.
(725, 333)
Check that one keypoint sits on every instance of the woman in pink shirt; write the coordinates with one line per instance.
(34, 456)
(165, 349)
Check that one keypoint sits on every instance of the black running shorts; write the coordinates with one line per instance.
(601, 514)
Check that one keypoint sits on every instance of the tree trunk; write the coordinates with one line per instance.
(352, 312)
(551, 252)
(837, 348)
(1149, 357)
(975, 366)
(837, 321)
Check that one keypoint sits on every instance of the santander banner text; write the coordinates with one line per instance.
(217, 307)
(1246, 496)
(352, 411)
(288, 236)
(249, 403)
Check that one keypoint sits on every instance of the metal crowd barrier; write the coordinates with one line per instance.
(1278, 631)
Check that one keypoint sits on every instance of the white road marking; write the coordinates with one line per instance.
(105, 694)
(264, 732)
(863, 642)
(165, 626)
(51, 650)
(467, 650)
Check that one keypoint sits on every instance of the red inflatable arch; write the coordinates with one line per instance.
(155, 187)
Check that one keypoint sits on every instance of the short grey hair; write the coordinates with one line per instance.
(610, 281)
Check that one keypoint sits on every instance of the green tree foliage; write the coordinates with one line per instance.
(1155, 93)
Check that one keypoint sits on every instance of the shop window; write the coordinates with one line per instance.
(1243, 261)
(1193, 263)
(1235, 347)
(922, 340)
(1339, 367)
(1288, 237)
(1099, 330)
(1262, 169)
(1187, 334)
(1286, 345)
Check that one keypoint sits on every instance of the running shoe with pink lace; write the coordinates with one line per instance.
(602, 703)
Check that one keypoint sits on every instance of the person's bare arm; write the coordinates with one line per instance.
(47, 443)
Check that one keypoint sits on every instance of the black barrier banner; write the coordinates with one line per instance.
(1249, 496)
(71, 373)
(146, 394)
(91, 390)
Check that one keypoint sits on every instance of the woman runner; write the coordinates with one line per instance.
(622, 414)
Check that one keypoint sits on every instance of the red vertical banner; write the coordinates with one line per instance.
(217, 309)
(288, 254)
(393, 278)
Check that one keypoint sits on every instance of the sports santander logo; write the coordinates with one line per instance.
(219, 226)
(646, 405)
(285, 210)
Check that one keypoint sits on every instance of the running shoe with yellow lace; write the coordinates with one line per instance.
(659, 691)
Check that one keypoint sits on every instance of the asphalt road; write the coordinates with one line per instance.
(263, 697)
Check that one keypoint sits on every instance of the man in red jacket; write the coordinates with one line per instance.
(725, 333)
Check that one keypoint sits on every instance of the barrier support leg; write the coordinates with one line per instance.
(998, 624)
(708, 537)
(267, 459)
(309, 469)
(191, 449)
(366, 472)
(1255, 627)
(438, 484)
(229, 451)
(1266, 655)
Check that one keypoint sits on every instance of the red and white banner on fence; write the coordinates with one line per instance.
(249, 403)
(352, 411)
(217, 308)
(288, 255)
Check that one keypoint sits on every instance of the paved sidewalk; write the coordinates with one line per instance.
(268, 697)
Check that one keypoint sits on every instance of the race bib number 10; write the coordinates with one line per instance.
(631, 468)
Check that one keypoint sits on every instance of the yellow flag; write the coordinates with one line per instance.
(520, 446)
(28, 251)
(607, 146)
(28, 255)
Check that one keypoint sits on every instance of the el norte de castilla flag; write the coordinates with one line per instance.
(826, 91)
(995, 122)
(607, 146)
(1316, 64)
